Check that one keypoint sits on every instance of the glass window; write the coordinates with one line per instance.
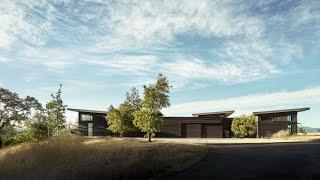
(86, 117)
(90, 129)
(289, 118)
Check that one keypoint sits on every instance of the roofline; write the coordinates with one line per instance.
(87, 110)
(282, 110)
(227, 113)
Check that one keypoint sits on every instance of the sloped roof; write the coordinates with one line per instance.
(224, 113)
(282, 110)
(87, 110)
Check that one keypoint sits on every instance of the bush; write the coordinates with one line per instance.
(244, 126)
(281, 134)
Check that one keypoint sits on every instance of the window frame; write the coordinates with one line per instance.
(88, 115)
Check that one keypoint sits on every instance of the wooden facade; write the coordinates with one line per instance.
(270, 122)
(196, 127)
(206, 125)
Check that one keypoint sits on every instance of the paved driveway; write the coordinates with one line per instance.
(261, 161)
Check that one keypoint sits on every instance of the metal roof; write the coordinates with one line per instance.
(282, 110)
(225, 113)
(87, 110)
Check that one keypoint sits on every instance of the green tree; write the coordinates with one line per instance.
(244, 126)
(120, 120)
(38, 126)
(149, 118)
(55, 112)
(133, 98)
(15, 110)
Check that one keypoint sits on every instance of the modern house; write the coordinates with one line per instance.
(91, 122)
(213, 124)
(270, 122)
(200, 125)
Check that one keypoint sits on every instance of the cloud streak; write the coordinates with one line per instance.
(247, 104)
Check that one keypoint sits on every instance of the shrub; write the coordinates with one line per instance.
(281, 134)
(244, 126)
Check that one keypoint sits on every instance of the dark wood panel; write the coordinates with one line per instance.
(193, 130)
(213, 131)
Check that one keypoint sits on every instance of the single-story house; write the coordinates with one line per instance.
(199, 125)
(270, 122)
(213, 124)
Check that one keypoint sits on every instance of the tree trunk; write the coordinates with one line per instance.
(149, 137)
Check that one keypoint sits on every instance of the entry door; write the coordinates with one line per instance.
(90, 129)
(193, 130)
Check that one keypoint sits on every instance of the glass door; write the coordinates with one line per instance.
(90, 129)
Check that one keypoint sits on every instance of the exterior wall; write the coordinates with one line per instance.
(268, 124)
(190, 126)
(99, 124)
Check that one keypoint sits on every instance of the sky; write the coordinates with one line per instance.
(218, 55)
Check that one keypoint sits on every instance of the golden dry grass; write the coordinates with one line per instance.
(103, 158)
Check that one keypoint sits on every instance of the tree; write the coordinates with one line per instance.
(149, 118)
(55, 112)
(120, 120)
(133, 98)
(15, 110)
(244, 126)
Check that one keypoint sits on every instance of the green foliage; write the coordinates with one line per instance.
(133, 99)
(120, 120)
(38, 127)
(149, 118)
(244, 126)
(55, 112)
(156, 95)
(15, 110)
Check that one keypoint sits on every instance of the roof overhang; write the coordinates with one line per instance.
(224, 113)
(281, 111)
(87, 111)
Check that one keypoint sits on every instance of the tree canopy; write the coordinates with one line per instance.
(149, 118)
(244, 126)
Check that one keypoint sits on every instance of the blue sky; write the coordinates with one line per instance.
(217, 55)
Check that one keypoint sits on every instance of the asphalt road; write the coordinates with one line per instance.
(261, 161)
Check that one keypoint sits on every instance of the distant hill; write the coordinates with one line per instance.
(310, 129)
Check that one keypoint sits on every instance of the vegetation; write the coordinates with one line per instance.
(120, 120)
(244, 126)
(156, 97)
(281, 134)
(302, 130)
(104, 158)
(55, 112)
(24, 119)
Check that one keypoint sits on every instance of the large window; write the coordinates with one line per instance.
(90, 129)
(289, 118)
(86, 117)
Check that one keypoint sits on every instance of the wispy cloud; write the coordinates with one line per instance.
(245, 104)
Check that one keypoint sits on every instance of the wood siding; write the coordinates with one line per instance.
(268, 124)
(99, 124)
(196, 127)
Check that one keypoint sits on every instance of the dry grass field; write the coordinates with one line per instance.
(103, 158)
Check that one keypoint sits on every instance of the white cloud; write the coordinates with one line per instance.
(246, 104)
(4, 59)
(126, 63)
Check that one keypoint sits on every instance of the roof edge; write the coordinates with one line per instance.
(282, 110)
(87, 110)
